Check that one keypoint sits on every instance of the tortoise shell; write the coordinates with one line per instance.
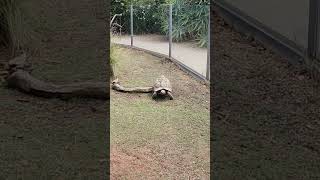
(162, 83)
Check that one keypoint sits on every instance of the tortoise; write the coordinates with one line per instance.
(162, 87)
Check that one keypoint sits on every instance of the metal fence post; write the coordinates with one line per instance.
(131, 23)
(208, 51)
(313, 28)
(170, 30)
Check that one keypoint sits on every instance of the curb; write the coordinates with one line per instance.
(181, 66)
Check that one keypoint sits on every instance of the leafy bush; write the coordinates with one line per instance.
(146, 16)
(190, 22)
(190, 18)
(147, 19)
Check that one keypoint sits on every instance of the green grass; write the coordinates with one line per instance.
(138, 121)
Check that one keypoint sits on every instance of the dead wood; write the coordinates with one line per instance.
(116, 86)
(22, 80)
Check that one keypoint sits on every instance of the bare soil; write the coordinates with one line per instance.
(54, 138)
(266, 114)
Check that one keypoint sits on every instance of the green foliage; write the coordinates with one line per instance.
(147, 19)
(14, 31)
(146, 15)
(190, 22)
(113, 55)
(202, 40)
(122, 7)
(190, 18)
(189, 2)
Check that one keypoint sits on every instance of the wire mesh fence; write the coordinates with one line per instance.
(190, 34)
(296, 28)
(179, 32)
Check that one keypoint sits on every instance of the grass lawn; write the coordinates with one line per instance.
(158, 138)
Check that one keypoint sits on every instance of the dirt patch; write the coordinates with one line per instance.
(4, 56)
(53, 138)
(266, 112)
(146, 163)
(123, 164)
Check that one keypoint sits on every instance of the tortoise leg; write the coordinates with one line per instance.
(170, 95)
(154, 95)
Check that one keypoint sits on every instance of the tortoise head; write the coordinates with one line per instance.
(163, 92)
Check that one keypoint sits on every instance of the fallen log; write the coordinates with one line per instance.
(23, 81)
(19, 78)
(161, 88)
(116, 86)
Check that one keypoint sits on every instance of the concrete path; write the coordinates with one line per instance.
(187, 53)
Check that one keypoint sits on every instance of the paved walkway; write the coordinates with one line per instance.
(187, 53)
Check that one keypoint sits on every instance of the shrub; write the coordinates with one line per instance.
(190, 18)
(190, 22)
(146, 16)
